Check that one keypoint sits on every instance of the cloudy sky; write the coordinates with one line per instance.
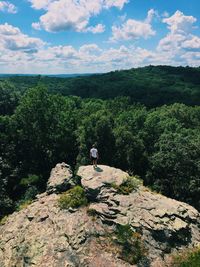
(89, 36)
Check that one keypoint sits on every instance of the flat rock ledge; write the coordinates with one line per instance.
(94, 179)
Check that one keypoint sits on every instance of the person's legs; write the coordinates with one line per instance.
(95, 162)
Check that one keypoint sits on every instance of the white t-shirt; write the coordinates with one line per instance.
(93, 152)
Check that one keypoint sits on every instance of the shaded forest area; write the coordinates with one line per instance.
(145, 121)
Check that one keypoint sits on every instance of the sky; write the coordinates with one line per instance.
(96, 36)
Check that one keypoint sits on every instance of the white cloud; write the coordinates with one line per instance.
(43, 4)
(192, 58)
(171, 42)
(88, 58)
(90, 49)
(179, 23)
(67, 59)
(180, 42)
(180, 35)
(99, 28)
(64, 15)
(36, 26)
(6, 29)
(11, 38)
(116, 3)
(165, 14)
(40, 4)
(22, 53)
(150, 15)
(134, 29)
(8, 7)
(192, 44)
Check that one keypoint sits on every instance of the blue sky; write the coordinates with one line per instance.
(78, 36)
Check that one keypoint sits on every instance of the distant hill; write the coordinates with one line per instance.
(2, 75)
(152, 85)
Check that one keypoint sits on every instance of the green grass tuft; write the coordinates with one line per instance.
(23, 204)
(187, 258)
(3, 220)
(130, 184)
(73, 198)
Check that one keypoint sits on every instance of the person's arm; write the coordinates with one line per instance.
(90, 154)
(97, 155)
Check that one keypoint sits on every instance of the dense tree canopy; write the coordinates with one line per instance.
(152, 86)
(39, 128)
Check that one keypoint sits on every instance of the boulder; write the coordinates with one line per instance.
(165, 224)
(93, 179)
(60, 179)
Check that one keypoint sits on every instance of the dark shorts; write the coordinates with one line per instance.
(92, 158)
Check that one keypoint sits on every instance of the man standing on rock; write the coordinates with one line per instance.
(94, 156)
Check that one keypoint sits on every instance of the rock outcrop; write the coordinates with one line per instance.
(43, 235)
(93, 180)
(60, 179)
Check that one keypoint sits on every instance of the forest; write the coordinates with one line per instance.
(145, 121)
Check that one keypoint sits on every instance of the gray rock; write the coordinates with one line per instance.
(166, 224)
(93, 180)
(60, 179)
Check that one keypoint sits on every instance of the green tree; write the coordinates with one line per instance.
(9, 98)
(44, 131)
(174, 169)
(97, 128)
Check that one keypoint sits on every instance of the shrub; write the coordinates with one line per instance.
(73, 198)
(23, 204)
(30, 180)
(30, 193)
(187, 258)
(132, 248)
(91, 212)
(130, 184)
(3, 220)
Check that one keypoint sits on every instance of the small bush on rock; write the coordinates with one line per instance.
(132, 247)
(187, 258)
(130, 184)
(3, 220)
(73, 198)
(23, 204)
(91, 212)
(126, 244)
(30, 180)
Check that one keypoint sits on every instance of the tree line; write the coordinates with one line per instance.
(152, 86)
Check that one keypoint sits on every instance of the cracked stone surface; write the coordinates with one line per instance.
(43, 235)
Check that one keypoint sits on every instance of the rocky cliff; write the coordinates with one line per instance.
(44, 235)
